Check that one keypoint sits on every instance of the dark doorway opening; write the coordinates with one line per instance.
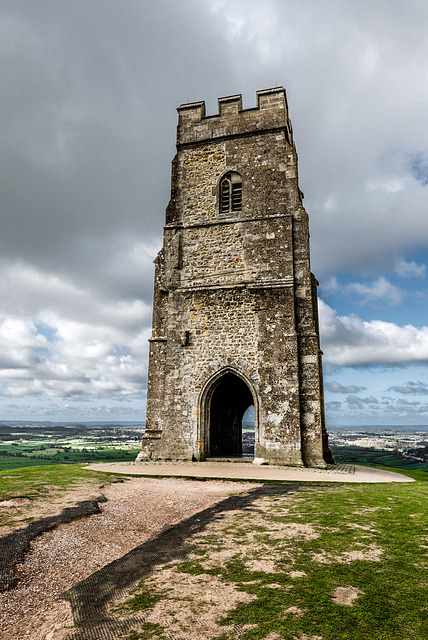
(230, 400)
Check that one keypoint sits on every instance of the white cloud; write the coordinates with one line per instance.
(83, 361)
(29, 292)
(380, 291)
(351, 342)
(410, 269)
(65, 339)
(19, 345)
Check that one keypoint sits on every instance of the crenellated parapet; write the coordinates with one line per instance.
(270, 114)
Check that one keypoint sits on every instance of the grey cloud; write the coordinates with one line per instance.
(419, 166)
(333, 406)
(358, 403)
(87, 108)
(355, 402)
(336, 387)
(84, 410)
(88, 124)
(412, 388)
(402, 402)
(89, 116)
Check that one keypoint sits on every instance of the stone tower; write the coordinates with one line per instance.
(235, 308)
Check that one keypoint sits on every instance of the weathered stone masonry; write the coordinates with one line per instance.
(235, 308)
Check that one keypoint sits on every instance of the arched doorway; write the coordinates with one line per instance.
(228, 402)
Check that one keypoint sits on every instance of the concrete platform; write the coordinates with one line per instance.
(233, 471)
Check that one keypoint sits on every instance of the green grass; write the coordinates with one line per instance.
(351, 454)
(145, 600)
(8, 464)
(33, 481)
(420, 476)
(26, 453)
(385, 527)
(146, 631)
(394, 604)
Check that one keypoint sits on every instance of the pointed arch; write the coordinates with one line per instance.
(223, 400)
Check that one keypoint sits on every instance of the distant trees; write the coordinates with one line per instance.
(418, 453)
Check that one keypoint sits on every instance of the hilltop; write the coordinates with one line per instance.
(288, 561)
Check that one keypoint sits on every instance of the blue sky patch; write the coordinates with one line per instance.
(419, 167)
(45, 330)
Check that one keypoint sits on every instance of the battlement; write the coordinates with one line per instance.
(232, 120)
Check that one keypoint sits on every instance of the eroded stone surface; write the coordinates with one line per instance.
(235, 308)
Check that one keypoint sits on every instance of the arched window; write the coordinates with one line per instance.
(230, 192)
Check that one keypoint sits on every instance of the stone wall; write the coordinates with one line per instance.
(234, 292)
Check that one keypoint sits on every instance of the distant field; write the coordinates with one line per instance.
(33, 445)
(26, 445)
(375, 457)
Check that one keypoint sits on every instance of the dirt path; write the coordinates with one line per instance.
(135, 511)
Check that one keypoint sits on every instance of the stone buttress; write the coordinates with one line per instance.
(235, 307)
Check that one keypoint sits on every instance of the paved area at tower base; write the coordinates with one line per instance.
(249, 471)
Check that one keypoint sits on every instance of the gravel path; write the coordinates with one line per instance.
(135, 511)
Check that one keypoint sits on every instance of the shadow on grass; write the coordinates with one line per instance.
(90, 597)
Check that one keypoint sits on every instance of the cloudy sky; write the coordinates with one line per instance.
(89, 91)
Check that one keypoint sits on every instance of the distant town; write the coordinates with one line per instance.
(24, 444)
(397, 446)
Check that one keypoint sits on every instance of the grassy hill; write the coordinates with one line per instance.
(283, 562)
(321, 563)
